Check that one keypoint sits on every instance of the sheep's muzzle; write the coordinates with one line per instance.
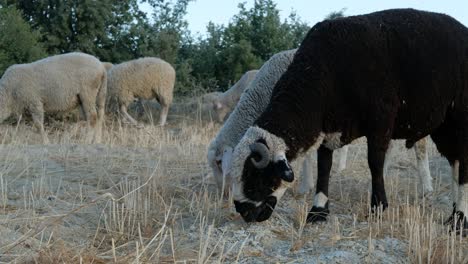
(251, 213)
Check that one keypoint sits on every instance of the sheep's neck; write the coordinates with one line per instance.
(295, 119)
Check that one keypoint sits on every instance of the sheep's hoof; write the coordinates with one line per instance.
(458, 222)
(378, 202)
(318, 214)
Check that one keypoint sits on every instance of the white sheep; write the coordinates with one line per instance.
(55, 84)
(223, 104)
(144, 78)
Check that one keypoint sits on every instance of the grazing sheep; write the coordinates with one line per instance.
(398, 74)
(144, 78)
(55, 84)
(252, 103)
(224, 103)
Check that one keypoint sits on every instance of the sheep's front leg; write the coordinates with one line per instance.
(319, 211)
(377, 149)
(37, 114)
(388, 157)
(342, 157)
(462, 202)
(306, 183)
(123, 110)
(422, 160)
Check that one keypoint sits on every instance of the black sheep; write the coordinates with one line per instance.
(394, 74)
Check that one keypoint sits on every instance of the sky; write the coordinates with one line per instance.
(200, 12)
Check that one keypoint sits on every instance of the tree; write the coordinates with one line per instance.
(18, 42)
(108, 29)
(294, 30)
(251, 38)
(168, 28)
(237, 59)
(170, 40)
(336, 14)
(117, 31)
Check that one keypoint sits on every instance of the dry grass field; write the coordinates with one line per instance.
(146, 196)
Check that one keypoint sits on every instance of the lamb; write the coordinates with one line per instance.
(224, 103)
(56, 84)
(144, 78)
(393, 74)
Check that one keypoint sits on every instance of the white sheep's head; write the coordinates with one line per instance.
(260, 174)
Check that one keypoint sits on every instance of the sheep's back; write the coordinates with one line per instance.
(139, 78)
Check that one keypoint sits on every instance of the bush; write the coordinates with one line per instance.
(18, 42)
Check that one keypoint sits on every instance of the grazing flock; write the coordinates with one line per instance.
(393, 74)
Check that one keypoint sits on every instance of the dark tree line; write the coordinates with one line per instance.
(117, 31)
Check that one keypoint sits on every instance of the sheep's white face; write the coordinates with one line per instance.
(220, 164)
(261, 174)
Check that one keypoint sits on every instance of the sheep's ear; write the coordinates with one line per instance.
(284, 171)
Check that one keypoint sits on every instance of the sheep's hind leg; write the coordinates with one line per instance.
(460, 214)
(454, 149)
(459, 218)
(89, 108)
(320, 211)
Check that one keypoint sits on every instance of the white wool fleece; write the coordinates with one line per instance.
(252, 103)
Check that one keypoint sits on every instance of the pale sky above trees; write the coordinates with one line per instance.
(200, 12)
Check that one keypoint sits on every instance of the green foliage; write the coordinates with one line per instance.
(336, 14)
(108, 29)
(251, 38)
(18, 43)
(118, 31)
